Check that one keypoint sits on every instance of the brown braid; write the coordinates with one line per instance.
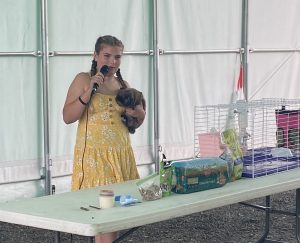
(120, 79)
(94, 68)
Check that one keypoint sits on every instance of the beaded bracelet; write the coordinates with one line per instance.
(82, 102)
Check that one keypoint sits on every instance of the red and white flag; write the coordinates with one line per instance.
(240, 85)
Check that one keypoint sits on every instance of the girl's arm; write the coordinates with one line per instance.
(79, 89)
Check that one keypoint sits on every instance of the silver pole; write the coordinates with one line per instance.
(212, 51)
(244, 45)
(14, 54)
(90, 53)
(253, 50)
(47, 161)
(155, 86)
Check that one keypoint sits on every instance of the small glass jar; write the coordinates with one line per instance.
(106, 199)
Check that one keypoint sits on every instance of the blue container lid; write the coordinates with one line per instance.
(199, 162)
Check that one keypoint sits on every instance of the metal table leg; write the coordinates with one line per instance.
(267, 220)
(90, 239)
(57, 237)
(298, 214)
(125, 235)
(267, 209)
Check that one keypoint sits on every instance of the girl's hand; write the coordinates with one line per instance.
(138, 112)
(97, 79)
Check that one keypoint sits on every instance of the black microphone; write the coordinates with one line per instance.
(104, 70)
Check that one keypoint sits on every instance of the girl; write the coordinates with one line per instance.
(103, 152)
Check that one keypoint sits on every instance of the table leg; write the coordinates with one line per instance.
(267, 220)
(90, 239)
(57, 237)
(125, 235)
(298, 214)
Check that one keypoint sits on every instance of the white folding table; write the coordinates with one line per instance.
(62, 213)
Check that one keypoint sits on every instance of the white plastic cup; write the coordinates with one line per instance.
(106, 199)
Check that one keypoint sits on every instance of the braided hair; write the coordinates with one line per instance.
(111, 41)
(120, 79)
(94, 68)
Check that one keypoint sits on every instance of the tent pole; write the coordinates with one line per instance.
(155, 86)
(244, 45)
(45, 55)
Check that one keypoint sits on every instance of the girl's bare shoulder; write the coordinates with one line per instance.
(83, 76)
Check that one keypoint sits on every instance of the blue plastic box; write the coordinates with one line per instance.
(260, 162)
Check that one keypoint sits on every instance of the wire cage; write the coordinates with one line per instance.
(267, 131)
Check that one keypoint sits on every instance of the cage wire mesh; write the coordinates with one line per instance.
(267, 131)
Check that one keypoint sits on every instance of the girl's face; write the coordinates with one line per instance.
(110, 56)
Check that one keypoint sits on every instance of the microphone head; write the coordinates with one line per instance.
(104, 70)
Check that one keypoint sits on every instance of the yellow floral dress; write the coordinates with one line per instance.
(103, 152)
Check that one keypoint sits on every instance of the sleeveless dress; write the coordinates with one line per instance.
(103, 152)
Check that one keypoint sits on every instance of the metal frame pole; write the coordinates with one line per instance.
(155, 85)
(244, 44)
(45, 58)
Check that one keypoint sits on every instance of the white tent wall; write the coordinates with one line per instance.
(274, 44)
(187, 79)
(21, 110)
(190, 72)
